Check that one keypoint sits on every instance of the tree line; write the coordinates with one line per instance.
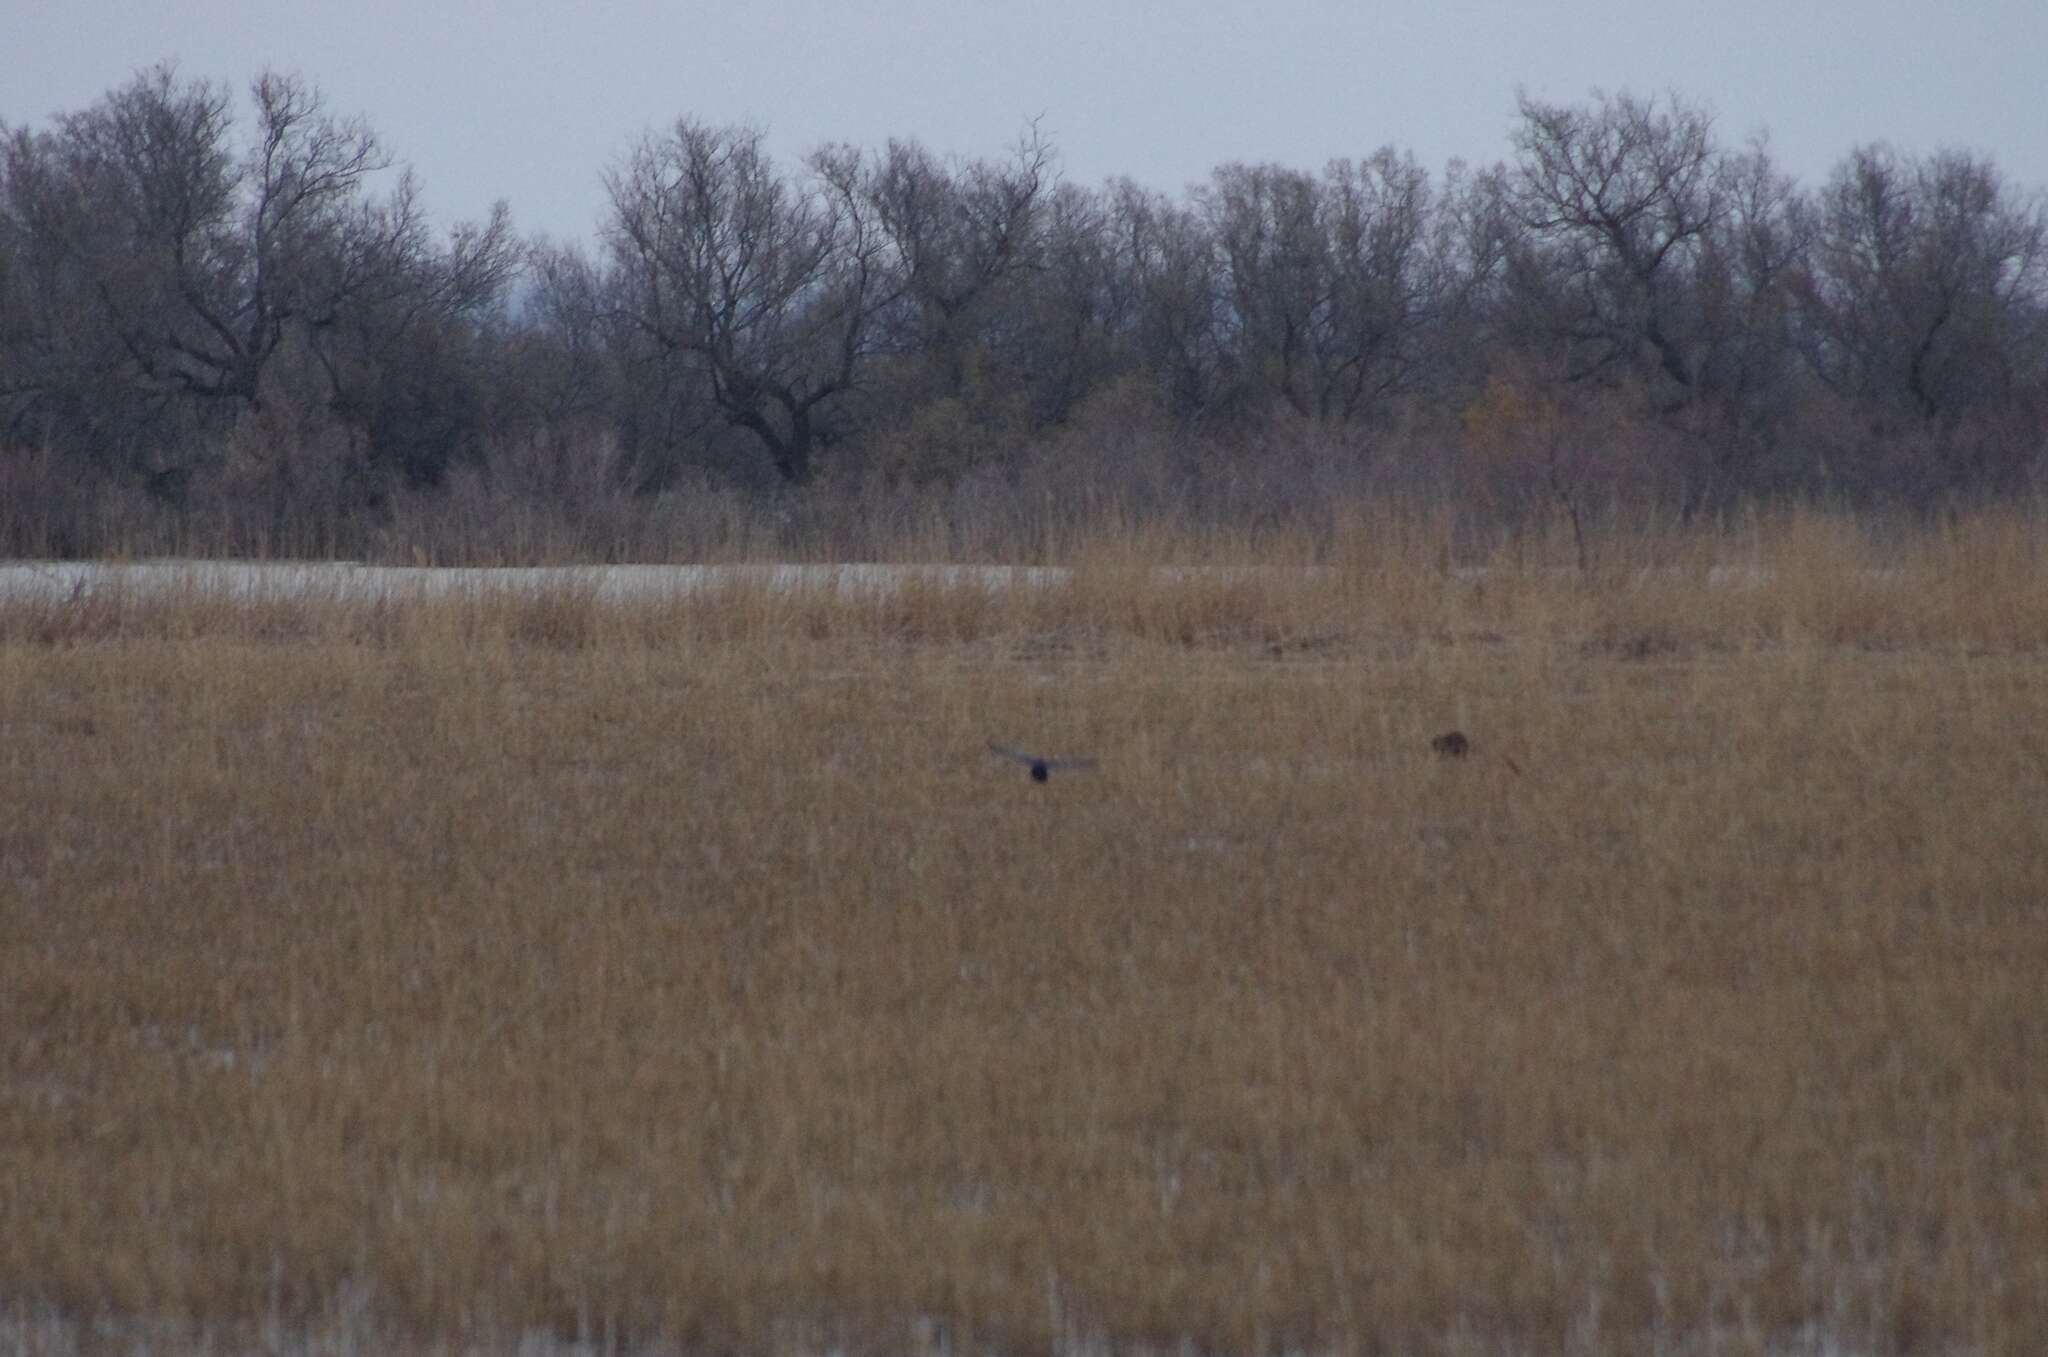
(215, 303)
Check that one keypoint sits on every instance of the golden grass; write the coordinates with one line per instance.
(691, 975)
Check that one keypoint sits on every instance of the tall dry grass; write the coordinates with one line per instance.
(689, 976)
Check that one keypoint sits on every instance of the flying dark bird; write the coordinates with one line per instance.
(1040, 766)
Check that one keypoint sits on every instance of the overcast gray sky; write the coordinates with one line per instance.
(529, 100)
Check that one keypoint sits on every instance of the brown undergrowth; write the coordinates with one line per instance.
(690, 976)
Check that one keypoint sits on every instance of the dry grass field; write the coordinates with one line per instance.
(690, 977)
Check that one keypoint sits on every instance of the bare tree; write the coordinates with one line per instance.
(1073, 315)
(1167, 258)
(1624, 194)
(1333, 282)
(62, 373)
(769, 287)
(960, 232)
(1743, 291)
(179, 284)
(1267, 223)
(568, 343)
(1476, 244)
(1387, 285)
(1929, 289)
(215, 260)
(1741, 316)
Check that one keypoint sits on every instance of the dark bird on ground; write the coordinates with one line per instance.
(1040, 766)
(1456, 744)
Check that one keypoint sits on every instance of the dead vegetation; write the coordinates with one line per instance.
(690, 977)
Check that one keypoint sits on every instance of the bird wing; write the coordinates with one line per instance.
(1033, 760)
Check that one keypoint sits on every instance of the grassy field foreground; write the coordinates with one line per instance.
(690, 975)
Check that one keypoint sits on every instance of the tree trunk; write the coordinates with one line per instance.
(790, 453)
(793, 458)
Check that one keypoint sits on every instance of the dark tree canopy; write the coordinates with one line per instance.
(240, 298)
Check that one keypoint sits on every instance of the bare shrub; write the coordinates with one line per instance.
(47, 509)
